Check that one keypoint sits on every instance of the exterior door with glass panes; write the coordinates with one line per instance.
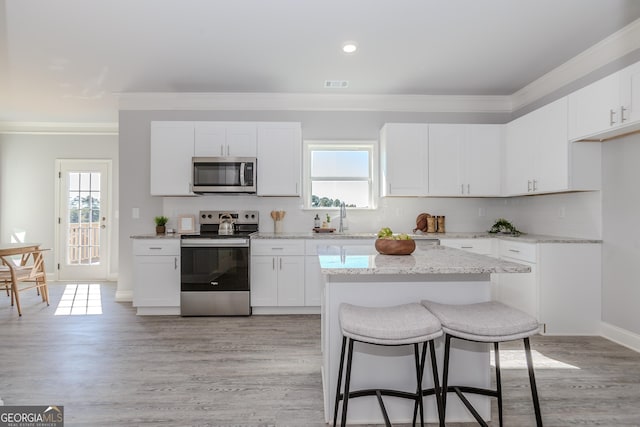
(83, 222)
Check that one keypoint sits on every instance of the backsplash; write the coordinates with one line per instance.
(533, 214)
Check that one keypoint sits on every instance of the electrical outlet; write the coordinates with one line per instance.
(135, 213)
(561, 212)
(482, 211)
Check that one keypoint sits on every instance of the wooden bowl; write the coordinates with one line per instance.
(395, 247)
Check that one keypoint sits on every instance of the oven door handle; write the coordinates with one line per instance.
(242, 172)
(215, 243)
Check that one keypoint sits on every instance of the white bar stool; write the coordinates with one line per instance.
(389, 326)
(489, 322)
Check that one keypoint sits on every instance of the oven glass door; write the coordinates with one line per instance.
(211, 269)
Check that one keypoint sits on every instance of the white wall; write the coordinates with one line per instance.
(28, 180)
(621, 233)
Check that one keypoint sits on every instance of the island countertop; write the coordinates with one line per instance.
(424, 260)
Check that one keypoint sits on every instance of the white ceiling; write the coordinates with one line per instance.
(66, 60)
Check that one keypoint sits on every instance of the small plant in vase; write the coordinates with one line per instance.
(503, 226)
(161, 222)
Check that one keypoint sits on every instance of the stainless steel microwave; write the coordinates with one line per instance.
(224, 174)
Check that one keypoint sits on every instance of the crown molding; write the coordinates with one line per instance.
(230, 101)
(602, 53)
(58, 128)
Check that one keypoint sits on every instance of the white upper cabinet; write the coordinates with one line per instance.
(630, 94)
(404, 159)
(227, 139)
(465, 160)
(540, 159)
(606, 108)
(279, 159)
(537, 151)
(594, 108)
(171, 152)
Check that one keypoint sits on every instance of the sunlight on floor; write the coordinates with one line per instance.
(515, 359)
(80, 299)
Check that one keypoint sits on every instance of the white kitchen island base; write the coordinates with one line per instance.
(393, 367)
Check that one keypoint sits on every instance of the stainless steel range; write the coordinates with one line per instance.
(214, 280)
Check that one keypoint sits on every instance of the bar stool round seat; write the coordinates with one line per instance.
(407, 324)
(487, 322)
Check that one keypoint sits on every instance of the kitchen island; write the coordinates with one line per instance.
(358, 275)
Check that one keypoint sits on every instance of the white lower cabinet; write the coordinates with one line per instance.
(563, 289)
(156, 276)
(277, 273)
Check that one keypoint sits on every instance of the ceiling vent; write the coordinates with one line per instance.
(336, 84)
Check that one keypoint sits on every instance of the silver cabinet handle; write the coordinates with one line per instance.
(221, 150)
(468, 188)
(273, 263)
(466, 247)
(155, 248)
(227, 149)
(280, 263)
(622, 118)
(612, 113)
(461, 188)
(514, 250)
(528, 186)
(535, 185)
(277, 249)
(175, 263)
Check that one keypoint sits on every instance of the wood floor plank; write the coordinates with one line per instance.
(119, 369)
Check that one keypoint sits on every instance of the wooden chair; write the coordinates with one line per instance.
(28, 274)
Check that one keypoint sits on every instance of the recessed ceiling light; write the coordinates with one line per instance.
(349, 47)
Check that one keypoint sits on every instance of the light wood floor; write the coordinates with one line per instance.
(118, 369)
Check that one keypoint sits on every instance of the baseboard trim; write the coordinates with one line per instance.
(621, 336)
(124, 296)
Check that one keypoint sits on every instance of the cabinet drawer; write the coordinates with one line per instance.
(518, 250)
(478, 246)
(156, 247)
(277, 247)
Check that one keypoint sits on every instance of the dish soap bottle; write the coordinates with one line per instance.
(316, 221)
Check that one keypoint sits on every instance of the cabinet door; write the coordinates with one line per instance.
(264, 281)
(518, 166)
(482, 160)
(405, 159)
(594, 108)
(519, 290)
(279, 159)
(290, 280)
(446, 142)
(630, 94)
(171, 152)
(210, 139)
(241, 140)
(550, 154)
(156, 281)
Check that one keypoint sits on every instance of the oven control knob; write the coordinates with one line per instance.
(204, 216)
(209, 216)
(246, 216)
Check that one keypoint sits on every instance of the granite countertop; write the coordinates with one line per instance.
(429, 260)
(528, 238)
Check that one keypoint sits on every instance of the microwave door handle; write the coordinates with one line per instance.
(242, 167)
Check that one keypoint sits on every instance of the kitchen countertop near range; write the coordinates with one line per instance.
(527, 238)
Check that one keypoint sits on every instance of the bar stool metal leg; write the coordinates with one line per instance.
(532, 381)
(436, 383)
(335, 409)
(498, 381)
(347, 380)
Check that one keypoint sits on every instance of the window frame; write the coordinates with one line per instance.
(371, 146)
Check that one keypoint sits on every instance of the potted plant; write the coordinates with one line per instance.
(161, 221)
(503, 226)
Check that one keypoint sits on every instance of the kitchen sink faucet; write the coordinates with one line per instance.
(343, 215)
